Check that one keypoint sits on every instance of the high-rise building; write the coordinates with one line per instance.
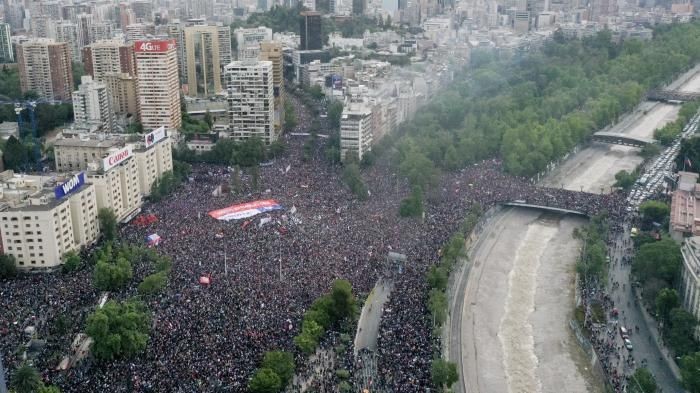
(143, 10)
(7, 55)
(100, 31)
(203, 60)
(359, 7)
(225, 49)
(45, 68)
(123, 93)
(84, 21)
(107, 57)
(272, 51)
(355, 130)
(91, 104)
(251, 100)
(158, 84)
(249, 41)
(64, 31)
(310, 31)
(139, 31)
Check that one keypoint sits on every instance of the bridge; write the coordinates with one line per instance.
(671, 96)
(621, 139)
(545, 208)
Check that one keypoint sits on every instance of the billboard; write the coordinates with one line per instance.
(243, 210)
(70, 185)
(154, 46)
(154, 136)
(116, 158)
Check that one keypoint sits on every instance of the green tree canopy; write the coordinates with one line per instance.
(680, 334)
(659, 260)
(655, 210)
(71, 262)
(282, 363)
(108, 223)
(666, 300)
(8, 266)
(444, 373)
(26, 379)
(642, 382)
(265, 380)
(343, 300)
(120, 329)
(690, 364)
(624, 180)
(15, 155)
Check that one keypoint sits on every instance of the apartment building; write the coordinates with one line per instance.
(251, 100)
(158, 84)
(45, 68)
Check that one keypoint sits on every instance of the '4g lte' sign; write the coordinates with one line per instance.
(154, 46)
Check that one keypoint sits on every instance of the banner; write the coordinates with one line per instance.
(244, 210)
(155, 136)
(116, 158)
(70, 185)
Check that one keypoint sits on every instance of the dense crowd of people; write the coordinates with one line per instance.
(265, 273)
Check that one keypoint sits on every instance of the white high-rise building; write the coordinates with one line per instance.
(249, 41)
(64, 31)
(91, 104)
(251, 100)
(355, 129)
(7, 55)
(158, 84)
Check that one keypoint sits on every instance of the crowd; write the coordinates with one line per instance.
(265, 274)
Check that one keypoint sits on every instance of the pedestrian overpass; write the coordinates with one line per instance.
(676, 96)
(614, 138)
(544, 208)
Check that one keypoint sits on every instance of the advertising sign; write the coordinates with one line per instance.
(236, 212)
(116, 158)
(70, 185)
(337, 82)
(154, 136)
(154, 46)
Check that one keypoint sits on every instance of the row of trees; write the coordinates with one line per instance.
(592, 264)
(657, 267)
(666, 134)
(274, 374)
(326, 312)
(532, 110)
(444, 373)
(248, 153)
(170, 180)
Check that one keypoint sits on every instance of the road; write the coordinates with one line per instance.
(371, 315)
(509, 329)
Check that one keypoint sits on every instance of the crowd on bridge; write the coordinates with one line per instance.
(265, 273)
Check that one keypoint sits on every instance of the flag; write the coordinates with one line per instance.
(288, 168)
(264, 221)
(293, 209)
(688, 162)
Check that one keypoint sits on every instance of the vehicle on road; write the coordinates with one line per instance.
(623, 333)
(628, 344)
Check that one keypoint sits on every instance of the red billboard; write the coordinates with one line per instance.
(154, 46)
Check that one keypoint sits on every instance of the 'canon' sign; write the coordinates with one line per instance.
(116, 158)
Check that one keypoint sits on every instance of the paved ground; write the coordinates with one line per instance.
(645, 346)
(371, 315)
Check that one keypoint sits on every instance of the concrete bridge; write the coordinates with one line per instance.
(621, 139)
(544, 208)
(671, 96)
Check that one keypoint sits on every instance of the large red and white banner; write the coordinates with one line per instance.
(244, 210)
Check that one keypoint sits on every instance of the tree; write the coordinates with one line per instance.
(412, 206)
(290, 117)
(666, 300)
(209, 119)
(680, 335)
(335, 111)
(690, 364)
(437, 278)
(282, 363)
(642, 382)
(343, 300)
(661, 260)
(437, 304)
(49, 389)
(265, 380)
(444, 373)
(8, 266)
(26, 379)
(654, 211)
(251, 152)
(108, 223)
(153, 283)
(110, 275)
(71, 262)
(119, 329)
(624, 180)
(15, 154)
(352, 177)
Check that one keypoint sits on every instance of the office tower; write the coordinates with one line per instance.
(91, 104)
(251, 100)
(45, 68)
(106, 57)
(225, 49)
(310, 31)
(272, 51)
(143, 10)
(7, 55)
(84, 21)
(158, 84)
(203, 61)
(359, 7)
(249, 41)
